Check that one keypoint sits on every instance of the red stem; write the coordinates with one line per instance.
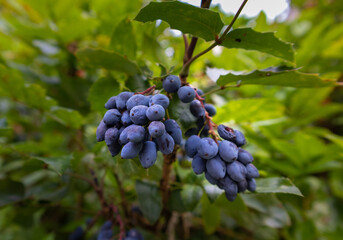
(148, 90)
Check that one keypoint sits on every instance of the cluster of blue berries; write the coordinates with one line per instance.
(106, 233)
(135, 125)
(224, 162)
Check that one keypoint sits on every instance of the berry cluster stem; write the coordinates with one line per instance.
(147, 91)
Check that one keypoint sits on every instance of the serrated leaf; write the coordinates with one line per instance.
(10, 191)
(199, 22)
(99, 58)
(286, 78)
(266, 42)
(101, 91)
(277, 185)
(123, 39)
(149, 199)
(58, 164)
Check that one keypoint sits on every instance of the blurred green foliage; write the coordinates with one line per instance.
(61, 60)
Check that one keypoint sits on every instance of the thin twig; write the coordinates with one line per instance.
(122, 195)
(185, 40)
(185, 67)
(233, 21)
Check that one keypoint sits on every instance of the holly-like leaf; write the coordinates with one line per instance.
(286, 78)
(65, 116)
(123, 39)
(10, 191)
(255, 109)
(149, 199)
(199, 22)
(277, 185)
(249, 39)
(99, 58)
(58, 164)
(101, 91)
(210, 215)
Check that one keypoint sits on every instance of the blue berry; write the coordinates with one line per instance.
(186, 94)
(196, 109)
(111, 103)
(174, 130)
(165, 143)
(191, 146)
(122, 99)
(210, 109)
(207, 148)
(125, 118)
(159, 99)
(251, 185)
(198, 165)
(240, 139)
(131, 150)
(242, 186)
(100, 131)
(135, 133)
(111, 135)
(112, 117)
(226, 133)
(228, 151)
(252, 171)
(210, 179)
(138, 115)
(136, 100)
(156, 129)
(230, 196)
(148, 155)
(135, 234)
(155, 112)
(114, 148)
(228, 185)
(77, 234)
(216, 167)
(236, 171)
(244, 156)
(171, 83)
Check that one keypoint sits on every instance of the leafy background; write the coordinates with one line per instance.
(61, 60)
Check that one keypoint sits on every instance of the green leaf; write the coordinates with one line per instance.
(100, 58)
(249, 39)
(210, 215)
(67, 117)
(276, 185)
(13, 85)
(11, 191)
(286, 78)
(199, 22)
(255, 109)
(191, 196)
(149, 199)
(123, 39)
(58, 164)
(272, 213)
(101, 91)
